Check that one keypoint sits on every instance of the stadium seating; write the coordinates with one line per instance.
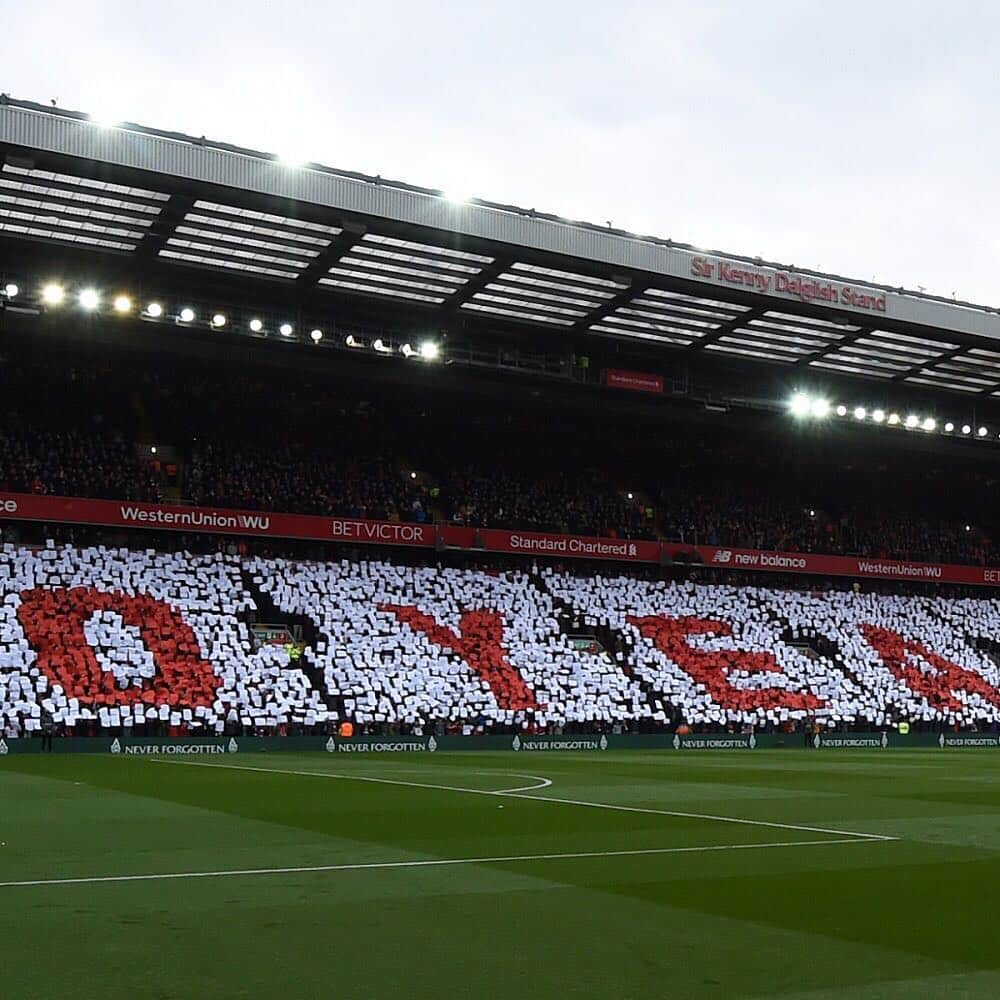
(117, 638)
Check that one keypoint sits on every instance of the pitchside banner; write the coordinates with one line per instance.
(166, 517)
(534, 543)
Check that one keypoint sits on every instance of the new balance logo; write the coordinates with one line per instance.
(723, 556)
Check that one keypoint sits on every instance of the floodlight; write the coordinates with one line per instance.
(152, 449)
(219, 320)
(256, 325)
(966, 429)
(352, 341)
(413, 475)
(949, 427)
(629, 495)
(53, 294)
(860, 413)
(820, 409)
(912, 421)
(10, 290)
(893, 419)
(429, 350)
(316, 336)
(89, 299)
(841, 410)
(929, 424)
(407, 351)
(186, 315)
(122, 304)
(878, 416)
(381, 347)
(799, 404)
(982, 432)
(285, 329)
(154, 309)
(968, 527)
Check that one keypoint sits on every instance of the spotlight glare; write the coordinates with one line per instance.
(256, 325)
(407, 351)
(841, 410)
(878, 416)
(982, 432)
(89, 299)
(429, 350)
(219, 320)
(352, 341)
(860, 413)
(966, 429)
(949, 427)
(122, 304)
(11, 290)
(820, 409)
(381, 347)
(799, 404)
(154, 309)
(316, 336)
(912, 421)
(285, 329)
(53, 294)
(186, 315)
(893, 419)
(929, 424)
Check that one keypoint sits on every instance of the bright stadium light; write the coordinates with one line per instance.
(11, 290)
(285, 329)
(353, 341)
(949, 427)
(911, 421)
(820, 409)
(966, 429)
(430, 351)
(982, 432)
(407, 351)
(256, 325)
(219, 320)
(878, 416)
(154, 309)
(53, 294)
(89, 299)
(186, 315)
(860, 413)
(381, 347)
(316, 336)
(841, 410)
(893, 419)
(122, 304)
(799, 404)
(929, 424)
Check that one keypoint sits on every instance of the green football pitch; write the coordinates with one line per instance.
(734, 874)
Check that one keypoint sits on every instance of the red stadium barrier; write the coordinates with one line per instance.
(211, 520)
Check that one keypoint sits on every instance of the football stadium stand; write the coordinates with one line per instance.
(117, 640)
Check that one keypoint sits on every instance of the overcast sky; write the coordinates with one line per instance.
(859, 138)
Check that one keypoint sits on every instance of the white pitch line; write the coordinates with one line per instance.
(535, 798)
(429, 863)
(542, 782)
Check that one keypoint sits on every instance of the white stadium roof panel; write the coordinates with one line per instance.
(182, 200)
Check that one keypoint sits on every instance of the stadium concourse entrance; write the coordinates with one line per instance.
(193, 746)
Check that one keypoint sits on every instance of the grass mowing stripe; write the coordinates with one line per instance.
(536, 798)
(429, 863)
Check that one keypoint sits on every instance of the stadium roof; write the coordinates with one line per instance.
(175, 201)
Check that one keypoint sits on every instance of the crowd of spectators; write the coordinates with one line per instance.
(283, 443)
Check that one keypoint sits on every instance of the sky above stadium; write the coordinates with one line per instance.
(857, 138)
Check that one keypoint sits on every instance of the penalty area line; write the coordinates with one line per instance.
(427, 863)
(516, 794)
